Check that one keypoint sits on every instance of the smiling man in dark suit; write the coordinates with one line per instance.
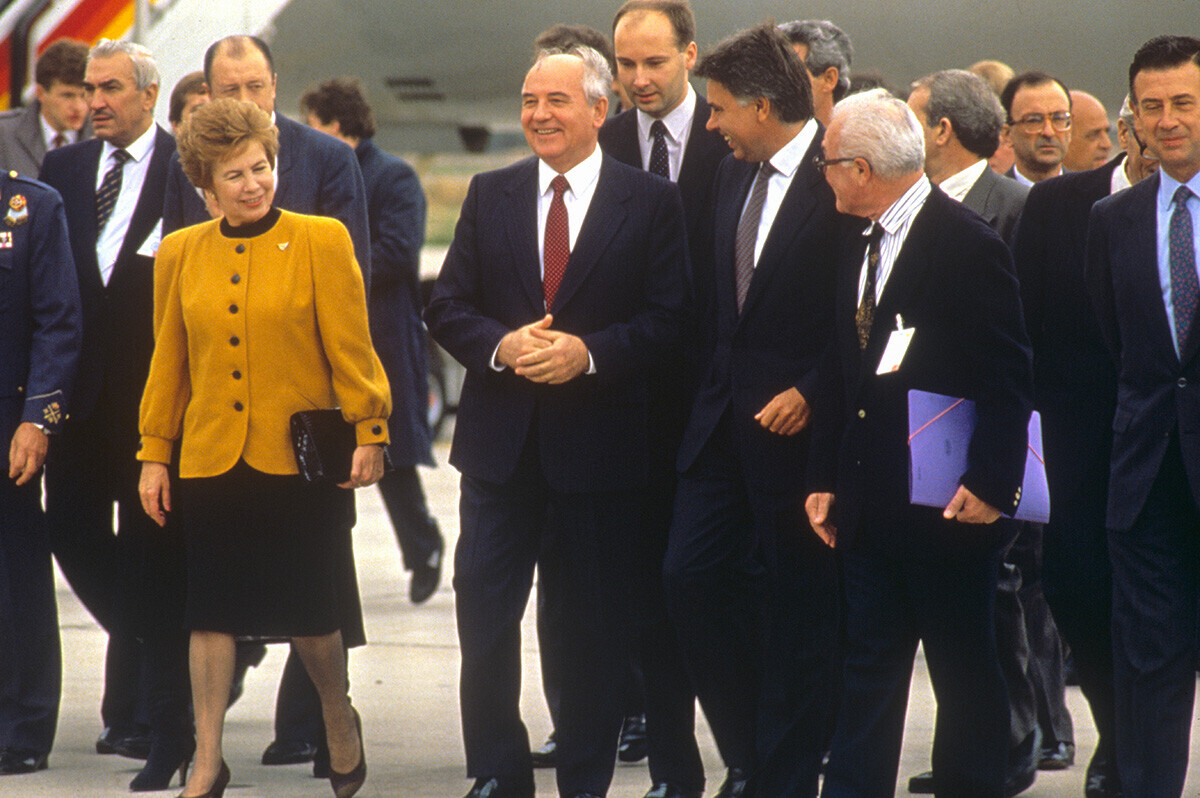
(1141, 274)
(562, 291)
(665, 134)
(918, 268)
(743, 573)
(112, 190)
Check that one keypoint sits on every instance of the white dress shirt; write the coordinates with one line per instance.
(896, 221)
(786, 162)
(133, 175)
(679, 127)
(582, 180)
(957, 186)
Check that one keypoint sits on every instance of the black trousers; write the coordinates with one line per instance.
(416, 530)
(945, 603)
(579, 544)
(1156, 609)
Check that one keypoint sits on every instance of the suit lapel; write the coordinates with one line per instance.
(520, 224)
(626, 147)
(728, 216)
(285, 161)
(604, 218)
(149, 208)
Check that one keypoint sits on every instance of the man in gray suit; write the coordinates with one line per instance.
(57, 115)
(962, 119)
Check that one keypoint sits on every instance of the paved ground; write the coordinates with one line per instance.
(405, 684)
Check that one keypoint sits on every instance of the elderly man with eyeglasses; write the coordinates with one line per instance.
(1039, 125)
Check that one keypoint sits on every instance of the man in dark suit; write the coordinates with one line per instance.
(826, 53)
(665, 134)
(40, 330)
(1076, 392)
(743, 573)
(314, 174)
(57, 115)
(396, 210)
(1141, 275)
(563, 289)
(930, 283)
(1038, 126)
(112, 190)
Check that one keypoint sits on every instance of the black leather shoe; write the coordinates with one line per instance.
(1022, 764)
(288, 752)
(106, 743)
(547, 755)
(1102, 780)
(1059, 756)
(665, 789)
(134, 746)
(736, 784)
(633, 746)
(497, 787)
(17, 761)
(425, 579)
(921, 784)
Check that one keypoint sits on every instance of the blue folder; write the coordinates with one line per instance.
(939, 433)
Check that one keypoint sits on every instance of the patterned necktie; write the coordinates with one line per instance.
(747, 233)
(659, 164)
(110, 189)
(557, 244)
(1181, 254)
(864, 317)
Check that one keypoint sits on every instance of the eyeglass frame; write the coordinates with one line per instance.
(821, 162)
(1035, 123)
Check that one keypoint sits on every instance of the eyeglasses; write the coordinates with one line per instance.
(1146, 156)
(1034, 123)
(820, 161)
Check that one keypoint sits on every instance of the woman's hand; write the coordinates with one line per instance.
(155, 489)
(366, 467)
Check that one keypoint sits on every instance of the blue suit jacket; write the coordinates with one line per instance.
(41, 321)
(623, 294)
(396, 211)
(953, 282)
(777, 340)
(317, 175)
(118, 335)
(1158, 391)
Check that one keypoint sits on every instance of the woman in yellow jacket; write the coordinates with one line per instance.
(258, 315)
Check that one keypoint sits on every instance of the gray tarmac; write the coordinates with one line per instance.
(405, 684)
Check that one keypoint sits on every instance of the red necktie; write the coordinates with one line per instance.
(557, 246)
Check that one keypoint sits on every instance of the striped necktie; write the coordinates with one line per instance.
(747, 233)
(110, 189)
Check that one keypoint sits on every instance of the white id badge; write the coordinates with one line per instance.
(897, 346)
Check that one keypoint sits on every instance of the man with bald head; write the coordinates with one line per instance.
(562, 292)
(1090, 142)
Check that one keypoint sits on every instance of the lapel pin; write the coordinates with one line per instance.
(284, 246)
(18, 211)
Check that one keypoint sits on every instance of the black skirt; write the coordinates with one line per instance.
(269, 556)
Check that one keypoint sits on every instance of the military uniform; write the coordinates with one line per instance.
(40, 332)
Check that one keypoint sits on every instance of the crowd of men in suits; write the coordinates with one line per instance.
(690, 331)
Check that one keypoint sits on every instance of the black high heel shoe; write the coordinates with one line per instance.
(218, 786)
(346, 785)
(165, 758)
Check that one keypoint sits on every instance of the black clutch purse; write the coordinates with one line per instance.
(324, 443)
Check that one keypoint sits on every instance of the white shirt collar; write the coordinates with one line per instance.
(677, 123)
(582, 175)
(142, 146)
(904, 208)
(957, 186)
(787, 160)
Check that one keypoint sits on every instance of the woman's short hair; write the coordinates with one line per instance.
(220, 129)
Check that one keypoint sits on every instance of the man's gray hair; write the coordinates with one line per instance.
(828, 46)
(145, 71)
(597, 77)
(968, 102)
(882, 129)
(1126, 112)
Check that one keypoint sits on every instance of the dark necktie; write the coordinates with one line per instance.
(557, 245)
(110, 189)
(58, 140)
(864, 317)
(1181, 253)
(659, 164)
(747, 233)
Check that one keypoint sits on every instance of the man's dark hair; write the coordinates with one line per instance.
(969, 103)
(564, 38)
(189, 85)
(760, 62)
(341, 99)
(678, 12)
(1164, 52)
(65, 61)
(1028, 79)
(828, 46)
(236, 46)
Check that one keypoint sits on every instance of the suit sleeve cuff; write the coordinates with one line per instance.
(372, 432)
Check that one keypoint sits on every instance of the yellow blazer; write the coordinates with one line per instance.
(247, 332)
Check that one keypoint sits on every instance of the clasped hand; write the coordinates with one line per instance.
(540, 354)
